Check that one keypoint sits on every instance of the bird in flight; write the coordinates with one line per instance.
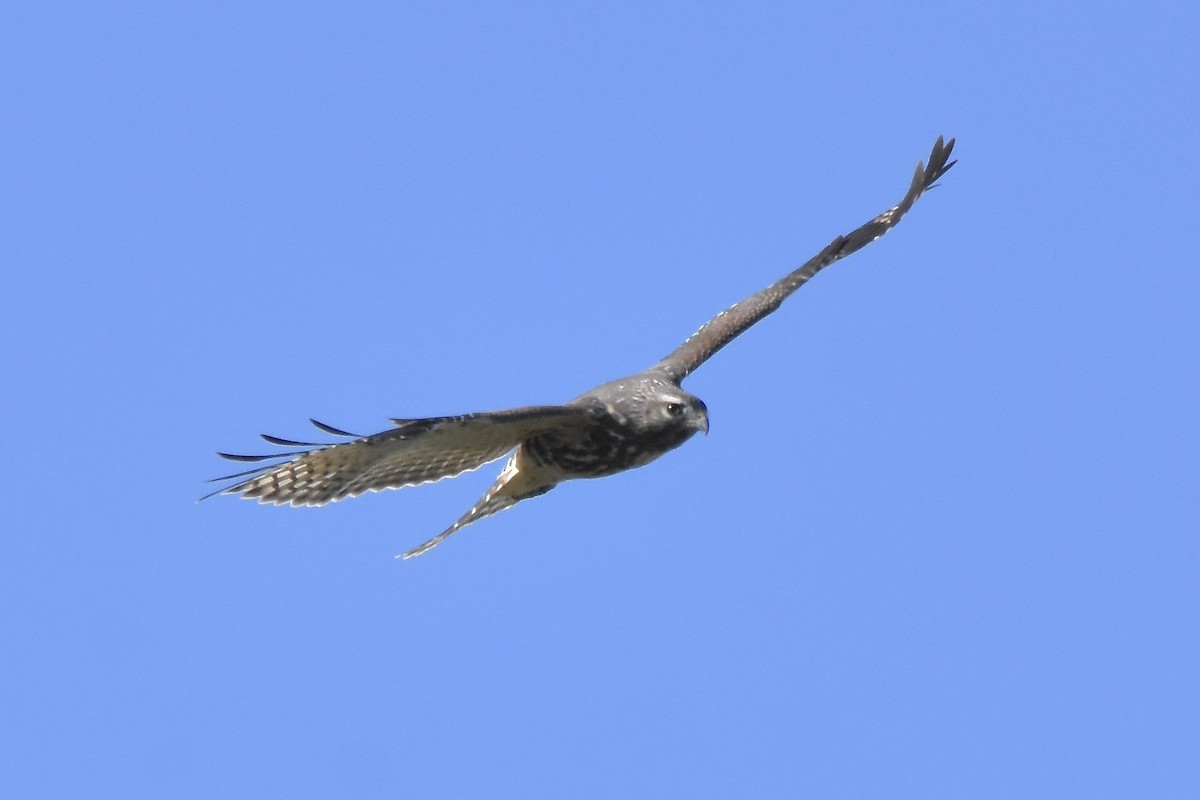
(616, 426)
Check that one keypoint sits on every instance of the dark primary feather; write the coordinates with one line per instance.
(334, 431)
(722, 329)
(269, 439)
(330, 429)
(240, 457)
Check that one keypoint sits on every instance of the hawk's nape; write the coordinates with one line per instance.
(616, 426)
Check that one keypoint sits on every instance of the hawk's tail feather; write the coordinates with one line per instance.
(490, 504)
(517, 482)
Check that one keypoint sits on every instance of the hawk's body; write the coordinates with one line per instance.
(616, 426)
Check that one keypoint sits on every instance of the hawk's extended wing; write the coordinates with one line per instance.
(721, 330)
(417, 451)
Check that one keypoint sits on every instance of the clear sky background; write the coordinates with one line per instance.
(943, 540)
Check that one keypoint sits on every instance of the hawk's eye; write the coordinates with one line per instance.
(674, 409)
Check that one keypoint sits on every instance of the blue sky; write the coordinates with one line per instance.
(942, 540)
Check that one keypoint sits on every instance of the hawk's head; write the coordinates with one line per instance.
(676, 409)
(655, 409)
(662, 416)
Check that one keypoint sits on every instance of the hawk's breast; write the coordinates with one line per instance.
(602, 449)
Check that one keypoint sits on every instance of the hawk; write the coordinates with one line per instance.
(614, 427)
